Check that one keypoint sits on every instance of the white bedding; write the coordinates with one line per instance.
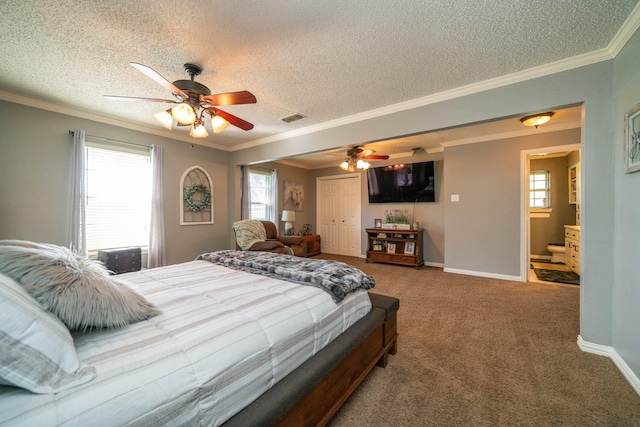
(224, 339)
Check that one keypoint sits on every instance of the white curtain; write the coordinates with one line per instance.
(245, 196)
(156, 230)
(273, 214)
(77, 225)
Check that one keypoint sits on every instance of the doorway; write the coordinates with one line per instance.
(541, 214)
(338, 214)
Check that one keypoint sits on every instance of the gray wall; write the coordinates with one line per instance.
(591, 86)
(300, 176)
(35, 153)
(483, 228)
(551, 230)
(626, 298)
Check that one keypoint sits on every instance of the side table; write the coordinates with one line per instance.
(313, 244)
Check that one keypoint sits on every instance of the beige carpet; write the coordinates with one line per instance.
(481, 352)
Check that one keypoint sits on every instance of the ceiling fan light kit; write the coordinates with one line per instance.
(537, 119)
(357, 159)
(351, 164)
(192, 101)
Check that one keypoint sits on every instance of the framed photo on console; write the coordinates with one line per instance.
(377, 223)
(409, 248)
(391, 248)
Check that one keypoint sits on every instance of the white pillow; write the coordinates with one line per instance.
(78, 290)
(36, 350)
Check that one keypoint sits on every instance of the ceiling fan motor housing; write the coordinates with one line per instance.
(192, 87)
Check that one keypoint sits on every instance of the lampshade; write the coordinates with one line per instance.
(165, 118)
(183, 113)
(288, 215)
(198, 130)
(218, 124)
(537, 119)
(361, 164)
(351, 164)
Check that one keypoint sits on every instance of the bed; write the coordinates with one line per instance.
(220, 344)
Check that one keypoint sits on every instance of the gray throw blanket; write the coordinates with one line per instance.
(336, 278)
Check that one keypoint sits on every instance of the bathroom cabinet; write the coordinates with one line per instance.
(574, 183)
(572, 247)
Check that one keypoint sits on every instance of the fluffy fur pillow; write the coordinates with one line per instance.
(78, 290)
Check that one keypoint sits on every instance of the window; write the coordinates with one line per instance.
(261, 195)
(540, 189)
(118, 211)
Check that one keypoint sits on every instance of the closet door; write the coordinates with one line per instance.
(338, 213)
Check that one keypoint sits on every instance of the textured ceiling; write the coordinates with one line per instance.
(325, 59)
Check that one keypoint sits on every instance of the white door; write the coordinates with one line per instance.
(338, 214)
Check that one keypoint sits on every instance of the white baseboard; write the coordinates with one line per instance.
(482, 274)
(434, 264)
(610, 352)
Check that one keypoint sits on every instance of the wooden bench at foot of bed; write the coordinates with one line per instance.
(313, 393)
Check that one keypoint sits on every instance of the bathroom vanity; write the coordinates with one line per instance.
(572, 247)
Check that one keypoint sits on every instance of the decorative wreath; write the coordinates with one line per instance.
(202, 204)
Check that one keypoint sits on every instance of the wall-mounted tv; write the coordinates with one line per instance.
(409, 182)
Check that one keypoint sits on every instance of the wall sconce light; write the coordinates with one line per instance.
(537, 119)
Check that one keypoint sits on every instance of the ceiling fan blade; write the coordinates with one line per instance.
(236, 121)
(376, 157)
(153, 75)
(231, 98)
(133, 98)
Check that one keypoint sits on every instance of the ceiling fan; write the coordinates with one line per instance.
(192, 101)
(357, 158)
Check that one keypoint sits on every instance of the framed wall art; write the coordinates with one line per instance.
(632, 140)
(293, 196)
(196, 197)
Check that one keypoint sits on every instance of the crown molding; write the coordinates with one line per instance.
(514, 134)
(626, 31)
(623, 35)
(541, 71)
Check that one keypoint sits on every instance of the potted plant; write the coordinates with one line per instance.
(396, 219)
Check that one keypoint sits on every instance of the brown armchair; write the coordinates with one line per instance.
(254, 235)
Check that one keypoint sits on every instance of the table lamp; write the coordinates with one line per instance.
(288, 216)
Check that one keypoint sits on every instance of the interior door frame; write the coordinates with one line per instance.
(525, 225)
(358, 237)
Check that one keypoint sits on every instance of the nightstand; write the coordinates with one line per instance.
(313, 244)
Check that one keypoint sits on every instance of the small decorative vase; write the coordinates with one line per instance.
(415, 225)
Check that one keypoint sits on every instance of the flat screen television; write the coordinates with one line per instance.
(410, 182)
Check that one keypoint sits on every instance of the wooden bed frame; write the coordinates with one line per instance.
(314, 392)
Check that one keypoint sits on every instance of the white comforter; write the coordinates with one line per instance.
(224, 339)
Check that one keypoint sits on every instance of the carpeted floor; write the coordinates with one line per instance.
(482, 352)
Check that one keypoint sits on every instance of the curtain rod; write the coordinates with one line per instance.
(113, 140)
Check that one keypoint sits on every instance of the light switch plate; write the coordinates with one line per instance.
(455, 197)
